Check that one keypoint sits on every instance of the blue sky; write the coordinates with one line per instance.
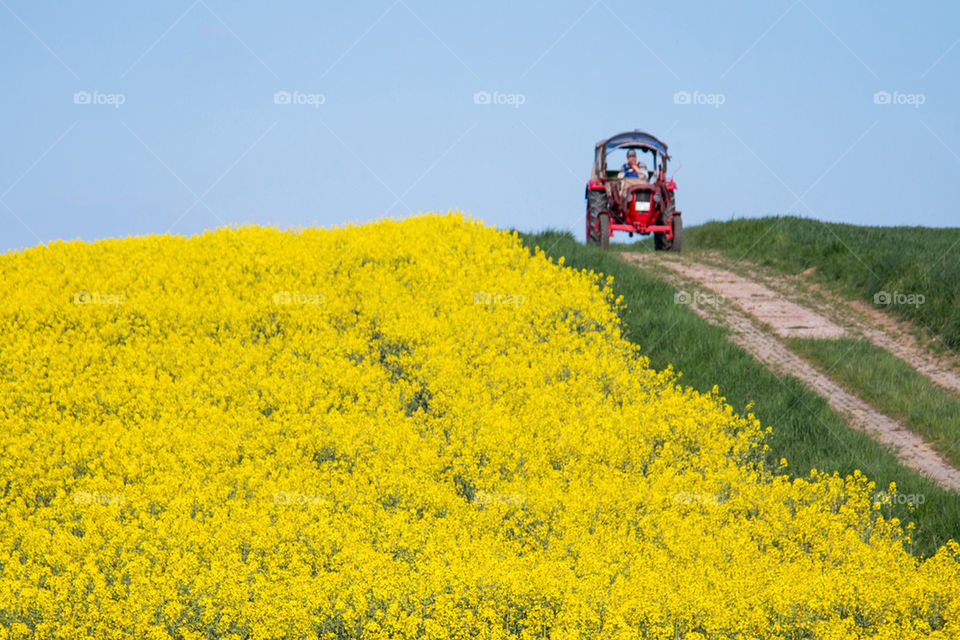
(154, 117)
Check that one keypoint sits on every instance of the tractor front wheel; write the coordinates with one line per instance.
(677, 223)
(660, 241)
(604, 231)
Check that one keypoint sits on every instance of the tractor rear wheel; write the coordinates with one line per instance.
(660, 243)
(604, 231)
(596, 202)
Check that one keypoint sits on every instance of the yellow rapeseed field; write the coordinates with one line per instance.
(411, 429)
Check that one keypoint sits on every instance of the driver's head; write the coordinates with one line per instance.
(632, 156)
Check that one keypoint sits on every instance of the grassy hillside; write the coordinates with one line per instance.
(891, 385)
(859, 261)
(805, 430)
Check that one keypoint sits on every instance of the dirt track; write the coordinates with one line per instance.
(761, 308)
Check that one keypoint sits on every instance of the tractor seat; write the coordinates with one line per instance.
(626, 185)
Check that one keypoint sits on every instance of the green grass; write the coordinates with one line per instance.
(805, 430)
(892, 386)
(857, 261)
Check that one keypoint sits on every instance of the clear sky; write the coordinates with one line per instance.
(130, 118)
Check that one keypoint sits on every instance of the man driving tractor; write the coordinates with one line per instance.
(632, 168)
(632, 173)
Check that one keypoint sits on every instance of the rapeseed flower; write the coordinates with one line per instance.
(403, 429)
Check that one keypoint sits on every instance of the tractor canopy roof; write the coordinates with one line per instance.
(628, 140)
(633, 139)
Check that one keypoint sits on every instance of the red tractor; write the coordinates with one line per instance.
(618, 201)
